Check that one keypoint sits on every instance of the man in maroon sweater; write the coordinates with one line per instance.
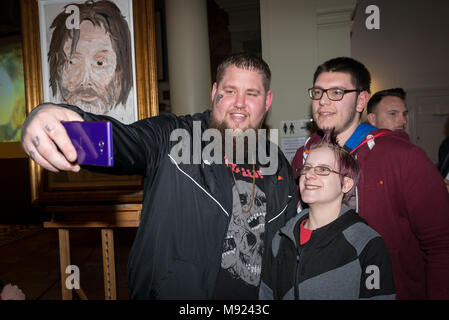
(400, 194)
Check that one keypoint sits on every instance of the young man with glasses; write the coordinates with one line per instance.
(400, 193)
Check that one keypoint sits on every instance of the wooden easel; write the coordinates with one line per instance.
(104, 218)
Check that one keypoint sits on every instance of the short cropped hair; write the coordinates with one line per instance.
(102, 13)
(360, 76)
(246, 61)
(378, 96)
(348, 166)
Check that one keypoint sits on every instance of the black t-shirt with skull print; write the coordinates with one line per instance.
(241, 262)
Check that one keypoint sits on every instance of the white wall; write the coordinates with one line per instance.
(298, 35)
(411, 47)
(188, 55)
(410, 50)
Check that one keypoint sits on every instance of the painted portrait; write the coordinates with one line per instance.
(87, 56)
(89, 53)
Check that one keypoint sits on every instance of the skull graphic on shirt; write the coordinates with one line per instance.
(243, 246)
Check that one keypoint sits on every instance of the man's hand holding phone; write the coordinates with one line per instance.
(46, 141)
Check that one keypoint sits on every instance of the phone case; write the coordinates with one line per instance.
(92, 141)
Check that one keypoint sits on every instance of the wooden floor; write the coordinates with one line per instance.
(32, 261)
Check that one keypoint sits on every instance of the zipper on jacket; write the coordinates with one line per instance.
(265, 240)
(296, 284)
(296, 279)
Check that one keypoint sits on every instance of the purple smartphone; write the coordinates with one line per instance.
(92, 141)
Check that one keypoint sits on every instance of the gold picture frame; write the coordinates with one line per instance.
(47, 187)
(11, 150)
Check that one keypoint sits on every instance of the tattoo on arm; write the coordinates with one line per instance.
(36, 141)
(32, 155)
(218, 98)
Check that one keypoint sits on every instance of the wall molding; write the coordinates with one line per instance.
(336, 17)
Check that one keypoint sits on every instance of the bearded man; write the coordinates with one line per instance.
(91, 66)
(206, 227)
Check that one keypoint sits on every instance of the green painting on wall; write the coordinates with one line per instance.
(12, 91)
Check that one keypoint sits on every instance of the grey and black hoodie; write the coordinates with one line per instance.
(343, 260)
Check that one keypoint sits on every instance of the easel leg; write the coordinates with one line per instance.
(64, 258)
(107, 236)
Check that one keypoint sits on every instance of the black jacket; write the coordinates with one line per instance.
(186, 208)
(343, 260)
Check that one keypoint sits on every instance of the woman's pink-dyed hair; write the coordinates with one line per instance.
(348, 166)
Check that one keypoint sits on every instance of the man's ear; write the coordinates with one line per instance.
(362, 101)
(348, 183)
(268, 100)
(371, 118)
(214, 90)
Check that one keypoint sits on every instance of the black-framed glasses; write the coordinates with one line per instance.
(334, 94)
(319, 170)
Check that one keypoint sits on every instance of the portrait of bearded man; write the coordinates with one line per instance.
(90, 65)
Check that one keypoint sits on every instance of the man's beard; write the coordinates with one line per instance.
(346, 124)
(102, 105)
(249, 147)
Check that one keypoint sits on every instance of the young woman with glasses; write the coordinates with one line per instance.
(328, 251)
